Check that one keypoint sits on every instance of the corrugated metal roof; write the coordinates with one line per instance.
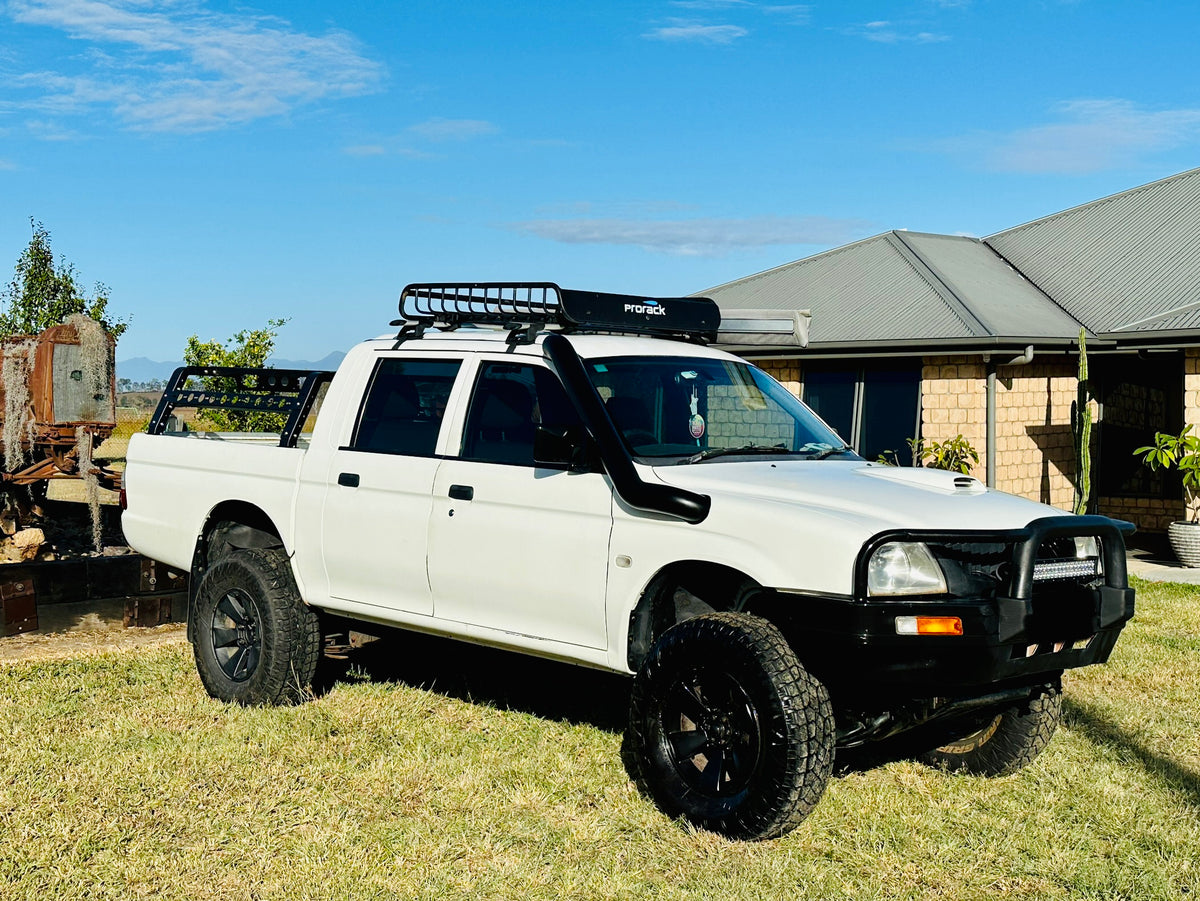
(1125, 263)
(999, 296)
(904, 287)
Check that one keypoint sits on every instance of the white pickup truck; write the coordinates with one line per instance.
(584, 477)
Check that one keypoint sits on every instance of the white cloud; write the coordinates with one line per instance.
(798, 12)
(698, 32)
(1092, 136)
(174, 65)
(698, 237)
(51, 131)
(703, 32)
(884, 32)
(452, 129)
(7, 166)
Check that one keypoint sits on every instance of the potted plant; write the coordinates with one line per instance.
(1182, 452)
(953, 455)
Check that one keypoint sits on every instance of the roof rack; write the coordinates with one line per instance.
(513, 305)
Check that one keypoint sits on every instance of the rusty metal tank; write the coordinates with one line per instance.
(64, 382)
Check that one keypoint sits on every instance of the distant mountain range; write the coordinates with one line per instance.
(143, 369)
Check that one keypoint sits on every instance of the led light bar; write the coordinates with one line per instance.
(1062, 570)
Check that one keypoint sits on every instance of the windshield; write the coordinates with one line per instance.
(698, 408)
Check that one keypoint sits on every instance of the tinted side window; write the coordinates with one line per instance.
(404, 407)
(511, 400)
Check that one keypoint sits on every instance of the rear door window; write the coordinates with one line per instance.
(511, 401)
(404, 406)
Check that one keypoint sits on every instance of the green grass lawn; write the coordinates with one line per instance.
(437, 770)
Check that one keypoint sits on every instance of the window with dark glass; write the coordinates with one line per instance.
(875, 409)
(831, 393)
(1138, 396)
(511, 401)
(404, 407)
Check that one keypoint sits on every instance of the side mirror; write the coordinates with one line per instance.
(572, 447)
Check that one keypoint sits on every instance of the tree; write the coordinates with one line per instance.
(43, 294)
(248, 348)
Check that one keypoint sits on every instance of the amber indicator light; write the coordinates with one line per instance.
(929, 625)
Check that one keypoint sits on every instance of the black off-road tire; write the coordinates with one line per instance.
(1007, 743)
(255, 641)
(728, 730)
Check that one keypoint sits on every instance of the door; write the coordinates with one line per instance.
(515, 545)
(376, 514)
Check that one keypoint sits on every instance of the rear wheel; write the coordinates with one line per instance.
(255, 641)
(1007, 742)
(728, 730)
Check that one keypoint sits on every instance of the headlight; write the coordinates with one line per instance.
(904, 567)
(1090, 547)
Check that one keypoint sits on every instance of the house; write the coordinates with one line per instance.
(937, 335)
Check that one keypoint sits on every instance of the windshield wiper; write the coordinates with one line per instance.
(709, 453)
(830, 451)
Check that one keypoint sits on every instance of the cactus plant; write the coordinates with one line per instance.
(1081, 431)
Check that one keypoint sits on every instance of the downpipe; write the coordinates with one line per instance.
(992, 366)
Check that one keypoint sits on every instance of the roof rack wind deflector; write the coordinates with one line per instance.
(764, 328)
(515, 305)
(651, 497)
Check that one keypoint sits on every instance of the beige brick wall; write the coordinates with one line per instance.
(785, 371)
(1149, 514)
(1034, 453)
(1191, 387)
(1035, 456)
(954, 402)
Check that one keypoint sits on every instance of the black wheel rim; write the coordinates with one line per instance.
(236, 635)
(712, 733)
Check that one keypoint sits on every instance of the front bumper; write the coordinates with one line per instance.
(1021, 633)
(854, 649)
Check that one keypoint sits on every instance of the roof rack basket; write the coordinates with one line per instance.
(514, 305)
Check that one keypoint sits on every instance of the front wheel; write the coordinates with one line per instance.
(728, 730)
(1008, 742)
(255, 641)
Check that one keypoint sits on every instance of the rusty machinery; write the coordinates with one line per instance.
(67, 392)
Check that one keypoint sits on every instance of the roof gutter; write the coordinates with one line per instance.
(920, 347)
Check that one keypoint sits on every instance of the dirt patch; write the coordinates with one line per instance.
(84, 642)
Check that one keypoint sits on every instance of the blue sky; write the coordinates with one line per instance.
(217, 164)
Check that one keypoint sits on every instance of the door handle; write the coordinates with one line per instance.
(349, 479)
(462, 492)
